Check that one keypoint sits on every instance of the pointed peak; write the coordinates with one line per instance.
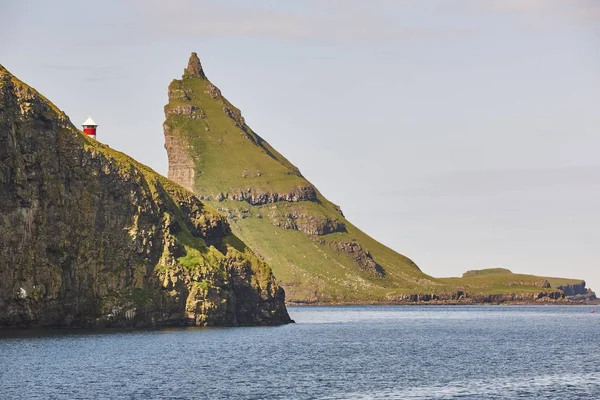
(194, 68)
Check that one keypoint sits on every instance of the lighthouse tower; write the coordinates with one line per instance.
(89, 127)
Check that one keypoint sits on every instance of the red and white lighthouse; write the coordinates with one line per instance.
(89, 127)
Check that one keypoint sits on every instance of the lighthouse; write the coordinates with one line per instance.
(89, 127)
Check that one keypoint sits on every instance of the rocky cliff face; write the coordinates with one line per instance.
(574, 289)
(89, 237)
(183, 167)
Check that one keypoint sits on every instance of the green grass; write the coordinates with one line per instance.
(248, 164)
(489, 271)
(311, 270)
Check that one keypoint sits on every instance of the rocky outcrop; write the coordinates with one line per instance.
(361, 257)
(588, 297)
(257, 196)
(465, 298)
(89, 237)
(179, 94)
(181, 165)
(212, 91)
(573, 289)
(462, 297)
(194, 112)
(194, 68)
(311, 224)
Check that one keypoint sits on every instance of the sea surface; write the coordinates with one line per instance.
(410, 352)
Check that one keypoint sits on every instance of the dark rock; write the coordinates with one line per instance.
(194, 68)
(361, 257)
(192, 111)
(314, 225)
(573, 290)
(213, 91)
(461, 297)
(257, 196)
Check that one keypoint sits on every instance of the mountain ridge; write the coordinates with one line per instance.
(316, 253)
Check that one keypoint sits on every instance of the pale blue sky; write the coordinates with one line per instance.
(462, 133)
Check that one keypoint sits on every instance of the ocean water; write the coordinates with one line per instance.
(474, 352)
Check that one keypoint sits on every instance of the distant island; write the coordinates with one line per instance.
(90, 237)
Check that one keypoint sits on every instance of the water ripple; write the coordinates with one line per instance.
(331, 353)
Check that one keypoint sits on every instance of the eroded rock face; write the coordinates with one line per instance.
(314, 225)
(257, 196)
(89, 237)
(361, 257)
(194, 68)
(189, 110)
(181, 166)
(573, 290)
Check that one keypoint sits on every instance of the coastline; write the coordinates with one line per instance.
(560, 302)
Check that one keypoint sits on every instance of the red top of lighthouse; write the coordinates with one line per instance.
(89, 127)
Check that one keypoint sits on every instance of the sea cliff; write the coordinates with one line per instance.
(89, 237)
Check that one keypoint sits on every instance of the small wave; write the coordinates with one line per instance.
(534, 386)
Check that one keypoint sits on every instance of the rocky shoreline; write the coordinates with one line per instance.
(442, 303)
(542, 298)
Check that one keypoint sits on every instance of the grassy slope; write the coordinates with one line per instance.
(228, 156)
(246, 162)
(313, 271)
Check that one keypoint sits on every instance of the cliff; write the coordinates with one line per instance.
(89, 237)
(318, 255)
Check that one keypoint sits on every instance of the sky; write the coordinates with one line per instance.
(464, 134)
